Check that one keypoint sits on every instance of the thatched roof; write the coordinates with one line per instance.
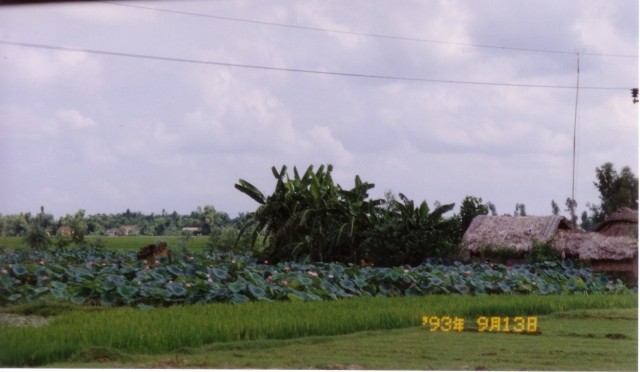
(512, 232)
(623, 222)
(595, 246)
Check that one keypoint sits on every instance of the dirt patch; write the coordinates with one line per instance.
(23, 320)
(616, 336)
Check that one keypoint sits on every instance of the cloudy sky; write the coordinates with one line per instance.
(434, 99)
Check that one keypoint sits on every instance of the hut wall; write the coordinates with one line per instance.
(627, 269)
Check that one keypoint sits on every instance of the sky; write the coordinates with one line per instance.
(152, 105)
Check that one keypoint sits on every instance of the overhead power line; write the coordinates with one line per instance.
(297, 70)
(364, 34)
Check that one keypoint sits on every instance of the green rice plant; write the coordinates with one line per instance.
(162, 330)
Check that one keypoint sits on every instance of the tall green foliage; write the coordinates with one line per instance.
(309, 217)
(616, 189)
(37, 235)
(471, 207)
(403, 233)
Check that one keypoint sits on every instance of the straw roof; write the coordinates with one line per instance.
(595, 246)
(623, 222)
(517, 233)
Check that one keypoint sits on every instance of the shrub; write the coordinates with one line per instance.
(541, 252)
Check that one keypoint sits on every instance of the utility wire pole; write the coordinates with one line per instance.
(575, 125)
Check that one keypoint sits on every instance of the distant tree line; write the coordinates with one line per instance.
(43, 230)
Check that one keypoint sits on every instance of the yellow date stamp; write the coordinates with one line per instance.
(443, 323)
(517, 324)
(485, 324)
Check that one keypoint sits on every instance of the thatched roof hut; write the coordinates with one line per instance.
(517, 233)
(623, 222)
(595, 246)
(605, 252)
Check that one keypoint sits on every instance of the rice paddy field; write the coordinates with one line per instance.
(72, 310)
(596, 332)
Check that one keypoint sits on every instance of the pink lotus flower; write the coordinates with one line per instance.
(269, 278)
(266, 262)
(41, 262)
(285, 283)
(4, 272)
(45, 278)
(210, 280)
(188, 285)
(313, 273)
(286, 268)
(157, 263)
(144, 262)
(147, 268)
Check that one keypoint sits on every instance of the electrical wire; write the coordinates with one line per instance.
(364, 34)
(297, 70)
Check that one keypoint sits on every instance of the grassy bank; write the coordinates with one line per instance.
(164, 330)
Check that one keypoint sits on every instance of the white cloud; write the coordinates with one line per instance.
(177, 135)
(69, 69)
(597, 31)
(74, 118)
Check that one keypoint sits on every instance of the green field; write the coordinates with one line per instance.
(578, 341)
(372, 333)
(124, 243)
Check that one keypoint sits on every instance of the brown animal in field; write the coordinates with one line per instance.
(152, 252)
(365, 263)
